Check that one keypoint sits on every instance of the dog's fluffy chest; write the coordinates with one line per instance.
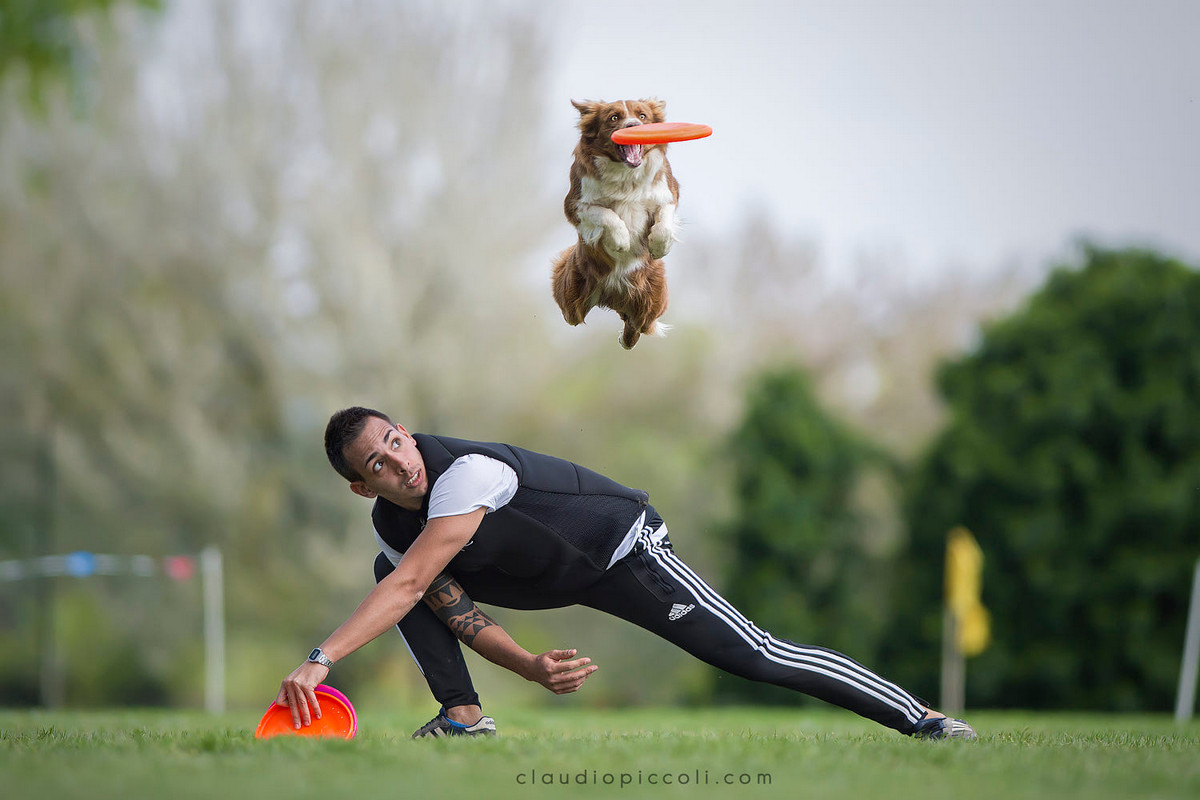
(633, 194)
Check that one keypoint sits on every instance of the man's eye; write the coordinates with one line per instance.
(396, 443)
(378, 465)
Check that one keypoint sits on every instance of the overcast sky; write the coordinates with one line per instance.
(960, 130)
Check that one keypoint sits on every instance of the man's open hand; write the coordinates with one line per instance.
(298, 692)
(556, 672)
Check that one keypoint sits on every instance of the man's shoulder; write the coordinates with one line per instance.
(440, 451)
(534, 469)
(455, 443)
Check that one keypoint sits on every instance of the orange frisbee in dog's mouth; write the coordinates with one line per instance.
(661, 133)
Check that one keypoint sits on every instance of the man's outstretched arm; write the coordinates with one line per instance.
(552, 669)
(384, 606)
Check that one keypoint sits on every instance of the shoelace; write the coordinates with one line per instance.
(432, 725)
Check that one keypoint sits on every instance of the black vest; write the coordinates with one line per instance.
(555, 537)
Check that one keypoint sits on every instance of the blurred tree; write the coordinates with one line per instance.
(805, 559)
(1073, 454)
(41, 39)
(268, 210)
(869, 332)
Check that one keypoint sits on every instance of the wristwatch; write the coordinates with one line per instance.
(317, 657)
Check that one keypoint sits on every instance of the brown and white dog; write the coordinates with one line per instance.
(622, 202)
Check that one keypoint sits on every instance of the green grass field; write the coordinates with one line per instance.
(726, 752)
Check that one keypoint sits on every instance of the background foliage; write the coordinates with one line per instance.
(40, 41)
(1073, 453)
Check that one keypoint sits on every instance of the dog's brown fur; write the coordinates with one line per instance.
(622, 203)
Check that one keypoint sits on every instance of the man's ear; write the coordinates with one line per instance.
(360, 489)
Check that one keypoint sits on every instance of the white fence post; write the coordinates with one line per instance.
(213, 582)
(954, 667)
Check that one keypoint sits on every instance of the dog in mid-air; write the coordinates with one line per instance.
(622, 202)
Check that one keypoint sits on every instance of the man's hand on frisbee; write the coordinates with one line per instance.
(298, 692)
(553, 670)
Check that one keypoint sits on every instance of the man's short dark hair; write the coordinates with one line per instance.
(343, 428)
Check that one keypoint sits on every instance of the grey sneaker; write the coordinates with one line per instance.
(944, 728)
(441, 725)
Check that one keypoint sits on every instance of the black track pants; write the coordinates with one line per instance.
(654, 589)
(435, 649)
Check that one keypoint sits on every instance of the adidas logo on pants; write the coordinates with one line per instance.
(679, 609)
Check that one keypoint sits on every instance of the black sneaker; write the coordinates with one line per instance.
(441, 725)
(944, 728)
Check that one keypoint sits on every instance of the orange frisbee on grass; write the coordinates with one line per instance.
(338, 718)
(661, 133)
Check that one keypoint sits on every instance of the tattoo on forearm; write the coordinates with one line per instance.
(452, 606)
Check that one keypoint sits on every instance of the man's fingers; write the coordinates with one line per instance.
(576, 677)
(562, 676)
(576, 683)
(311, 694)
(302, 700)
(298, 693)
(570, 672)
(294, 700)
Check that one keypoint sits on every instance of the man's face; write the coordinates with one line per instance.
(391, 466)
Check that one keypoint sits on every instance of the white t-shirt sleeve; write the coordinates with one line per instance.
(472, 481)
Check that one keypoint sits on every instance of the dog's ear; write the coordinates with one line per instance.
(587, 113)
(658, 108)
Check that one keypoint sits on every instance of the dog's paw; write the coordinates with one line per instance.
(661, 239)
(617, 240)
(590, 233)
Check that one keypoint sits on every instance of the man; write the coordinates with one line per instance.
(457, 520)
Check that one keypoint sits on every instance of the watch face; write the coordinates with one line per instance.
(313, 655)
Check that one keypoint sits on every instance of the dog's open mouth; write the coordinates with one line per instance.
(631, 154)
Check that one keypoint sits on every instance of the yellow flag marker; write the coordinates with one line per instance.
(964, 582)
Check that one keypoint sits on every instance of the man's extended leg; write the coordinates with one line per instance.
(435, 650)
(652, 588)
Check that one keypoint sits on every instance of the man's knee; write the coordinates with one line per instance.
(383, 567)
